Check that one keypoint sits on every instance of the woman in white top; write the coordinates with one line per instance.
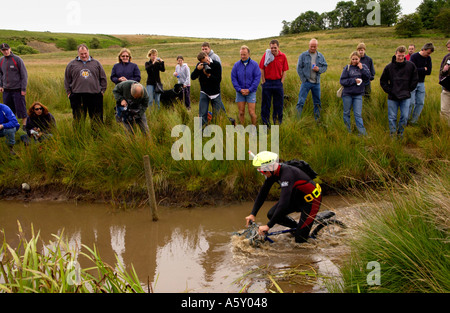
(183, 73)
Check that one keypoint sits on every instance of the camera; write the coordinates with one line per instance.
(34, 133)
(206, 66)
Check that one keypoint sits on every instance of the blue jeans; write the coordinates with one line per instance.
(393, 107)
(153, 96)
(203, 105)
(417, 101)
(355, 102)
(303, 94)
(9, 134)
(272, 89)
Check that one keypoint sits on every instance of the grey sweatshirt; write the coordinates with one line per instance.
(89, 77)
(13, 74)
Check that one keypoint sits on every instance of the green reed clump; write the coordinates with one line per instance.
(408, 235)
(37, 267)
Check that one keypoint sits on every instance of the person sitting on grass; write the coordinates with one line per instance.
(39, 124)
(8, 126)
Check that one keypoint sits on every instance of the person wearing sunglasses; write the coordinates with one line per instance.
(40, 123)
(299, 193)
(125, 69)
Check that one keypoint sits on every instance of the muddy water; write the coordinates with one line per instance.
(189, 250)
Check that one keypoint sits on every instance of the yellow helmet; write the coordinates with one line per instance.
(266, 161)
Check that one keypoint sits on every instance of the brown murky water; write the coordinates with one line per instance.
(188, 250)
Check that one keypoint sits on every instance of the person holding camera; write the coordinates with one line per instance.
(209, 74)
(39, 125)
(154, 86)
(131, 103)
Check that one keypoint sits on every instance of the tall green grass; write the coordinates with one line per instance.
(407, 233)
(54, 267)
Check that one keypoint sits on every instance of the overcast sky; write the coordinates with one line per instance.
(251, 19)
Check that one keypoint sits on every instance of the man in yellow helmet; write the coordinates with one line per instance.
(299, 193)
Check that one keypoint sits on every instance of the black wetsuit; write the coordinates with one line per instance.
(299, 193)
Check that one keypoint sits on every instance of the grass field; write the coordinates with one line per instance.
(111, 164)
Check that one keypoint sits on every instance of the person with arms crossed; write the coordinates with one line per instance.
(398, 80)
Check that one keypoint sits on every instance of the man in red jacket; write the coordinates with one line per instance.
(274, 66)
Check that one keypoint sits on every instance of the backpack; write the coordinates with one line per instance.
(302, 165)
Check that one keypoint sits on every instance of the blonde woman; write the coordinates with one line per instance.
(154, 65)
(125, 69)
(353, 78)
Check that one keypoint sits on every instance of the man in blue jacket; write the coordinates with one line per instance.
(245, 77)
(311, 64)
(8, 126)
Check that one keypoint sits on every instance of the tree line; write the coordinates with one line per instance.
(358, 13)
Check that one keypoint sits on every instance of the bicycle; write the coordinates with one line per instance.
(323, 219)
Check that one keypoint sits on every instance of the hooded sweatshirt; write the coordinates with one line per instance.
(399, 79)
(13, 74)
(85, 77)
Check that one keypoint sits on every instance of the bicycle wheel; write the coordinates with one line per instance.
(325, 223)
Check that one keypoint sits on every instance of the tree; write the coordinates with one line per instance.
(94, 43)
(442, 21)
(390, 9)
(306, 22)
(409, 25)
(429, 10)
(344, 13)
(71, 44)
(286, 28)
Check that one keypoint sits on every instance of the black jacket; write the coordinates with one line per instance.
(399, 79)
(44, 122)
(153, 70)
(211, 85)
(294, 183)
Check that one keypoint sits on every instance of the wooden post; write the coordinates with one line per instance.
(150, 189)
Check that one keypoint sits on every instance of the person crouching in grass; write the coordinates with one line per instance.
(39, 125)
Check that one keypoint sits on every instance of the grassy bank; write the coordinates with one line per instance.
(108, 165)
(407, 235)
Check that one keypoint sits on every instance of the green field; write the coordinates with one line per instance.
(110, 165)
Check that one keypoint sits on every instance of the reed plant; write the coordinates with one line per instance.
(406, 232)
(54, 267)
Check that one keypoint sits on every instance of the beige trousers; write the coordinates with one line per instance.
(445, 105)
